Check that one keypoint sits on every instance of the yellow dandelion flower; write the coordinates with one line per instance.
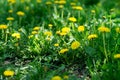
(3, 26)
(10, 11)
(117, 56)
(8, 73)
(10, 18)
(57, 32)
(81, 28)
(48, 39)
(66, 77)
(62, 51)
(38, 1)
(30, 36)
(36, 28)
(56, 2)
(48, 3)
(75, 45)
(56, 78)
(48, 33)
(16, 35)
(16, 44)
(20, 13)
(72, 3)
(92, 36)
(72, 19)
(77, 8)
(65, 29)
(50, 25)
(11, 1)
(61, 6)
(103, 29)
(92, 11)
(27, 8)
(22, 1)
(63, 33)
(117, 30)
(34, 32)
(62, 2)
(56, 44)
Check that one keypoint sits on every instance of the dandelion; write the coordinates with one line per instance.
(48, 3)
(81, 28)
(10, 18)
(117, 56)
(66, 29)
(61, 6)
(92, 36)
(92, 11)
(27, 8)
(75, 45)
(72, 3)
(62, 51)
(20, 13)
(72, 19)
(62, 2)
(50, 25)
(77, 8)
(56, 44)
(38, 1)
(34, 32)
(8, 73)
(56, 78)
(30, 36)
(48, 33)
(103, 29)
(16, 44)
(3, 26)
(63, 33)
(10, 11)
(117, 30)
(12, 1)
(66, 77)
(48, 39)
(16, 35)
(58, 32)
(36, 28)
(22, 1)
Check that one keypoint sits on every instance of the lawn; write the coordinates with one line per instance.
(59, 40)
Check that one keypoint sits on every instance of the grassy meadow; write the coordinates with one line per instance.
(59, 40)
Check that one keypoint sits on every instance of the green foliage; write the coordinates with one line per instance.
(37, 36)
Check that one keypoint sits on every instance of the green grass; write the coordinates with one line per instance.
(42, 42)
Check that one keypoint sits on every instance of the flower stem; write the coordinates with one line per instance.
(105, 52)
